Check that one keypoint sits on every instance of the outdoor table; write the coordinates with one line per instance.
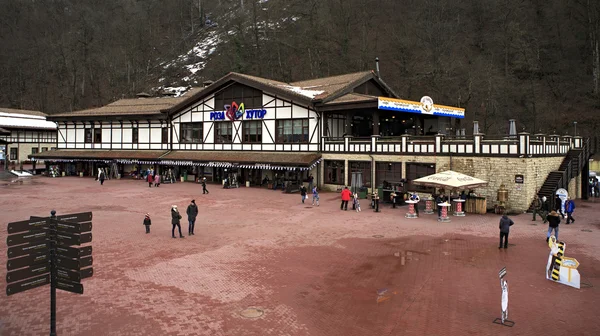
(459, 207)
(411, 209)
(444, 217)
(429, 206)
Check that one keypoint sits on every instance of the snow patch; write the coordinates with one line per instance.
(177, 90)
(303, 91)
(21, 173)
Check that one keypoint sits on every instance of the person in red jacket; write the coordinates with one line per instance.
(345, 198)
(150, 179)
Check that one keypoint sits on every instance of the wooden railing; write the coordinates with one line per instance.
(523, 145)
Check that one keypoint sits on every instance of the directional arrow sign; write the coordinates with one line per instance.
(69, 286)
(28, 272)
(27, 237)
(32, 224)
(75, 276)
(31, 260)
(74, 227)
(74, 264)
(72, 252)
(22, 286)
(73, 239)
(30, 248)
(73, 218)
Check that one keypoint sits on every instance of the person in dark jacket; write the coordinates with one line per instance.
(204, 190)
(175, 220)
(553, 222)
(192, 213)
(147, 222)
(558, 205)
(303, 193)
(537, 207)
(545, 209)
(569, 208)
(505, 224)
(101, 177)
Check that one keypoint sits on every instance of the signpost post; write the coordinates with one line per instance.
(40, 253)
(504, 302)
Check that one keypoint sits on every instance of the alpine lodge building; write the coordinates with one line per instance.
(347, 130)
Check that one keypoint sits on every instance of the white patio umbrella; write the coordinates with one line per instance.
(451, 180)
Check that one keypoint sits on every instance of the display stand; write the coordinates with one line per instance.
(411, 209)
(444, 217)
(459, 212)
(429, 206)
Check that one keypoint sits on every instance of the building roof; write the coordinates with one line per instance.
(302, 159)
(24, 120)
(352, 98)
(99, 154)
(4, 131)
(24, 112)
(329, 86)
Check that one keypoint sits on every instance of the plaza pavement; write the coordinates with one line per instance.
(310, 270)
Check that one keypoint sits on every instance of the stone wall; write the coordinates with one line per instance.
(496, 171)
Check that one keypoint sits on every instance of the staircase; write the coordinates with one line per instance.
(570, 167)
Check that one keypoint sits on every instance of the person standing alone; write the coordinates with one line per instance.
(101, 176)
(553, 222)
(176, 221)
(569, 208)
(147, 222)
(192, 213)
(345, 198)
(303, 193)
(505, 224)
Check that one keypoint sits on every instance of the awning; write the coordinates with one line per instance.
(71, 155)
(243, 159)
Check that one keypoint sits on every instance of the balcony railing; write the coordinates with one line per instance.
(522, 144)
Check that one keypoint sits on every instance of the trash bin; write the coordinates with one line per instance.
(247, 184)
(63, 174)
(184, 178)
(80, 174)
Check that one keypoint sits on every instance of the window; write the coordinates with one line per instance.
(14, 154)
(292, 131)
(165, 135)
(88, 135)
(252, 131)
(223, 132)
(44, 149)
(418, 170)
(334, 172)
(250, 97)
(388, 171)
(363, 167)
(135, 135)
(335, 126)
(97, 135)
(34, 150)
(191, 133)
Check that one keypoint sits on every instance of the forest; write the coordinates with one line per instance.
(531, 60)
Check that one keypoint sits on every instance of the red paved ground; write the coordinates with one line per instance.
(312, 270)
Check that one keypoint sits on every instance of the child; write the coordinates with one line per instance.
(156, 180)
(315, 196)
(303, 193)
(356, 203)
(147, 222)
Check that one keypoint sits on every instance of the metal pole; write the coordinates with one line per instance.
(52, 273)
(575, 124)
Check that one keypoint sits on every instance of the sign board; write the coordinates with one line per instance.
(73, 239)
(502, 273)
(75, 276)
(28, 272)
(22, 286)
(31, 260)
(72, 252)
(31, 248)
(27, 237)
(69, 286)
(74, 227)
(519, 179)
(73, 218)
(73, 263)
(425, 106)
(27, 225)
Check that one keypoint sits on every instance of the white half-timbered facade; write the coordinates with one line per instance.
(24, 133)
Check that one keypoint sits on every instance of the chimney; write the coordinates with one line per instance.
(207, 83)
(377, 66)
(475, 127)
(512, 128)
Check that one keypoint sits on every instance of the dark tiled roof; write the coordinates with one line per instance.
(303, 159)
(17, 111)
(99, 154)
(334, 84)
(4, 131)
(352, 98)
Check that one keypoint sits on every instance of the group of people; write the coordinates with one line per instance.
(191, 212)
(315, 194)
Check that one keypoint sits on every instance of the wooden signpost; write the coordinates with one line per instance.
(40, 253)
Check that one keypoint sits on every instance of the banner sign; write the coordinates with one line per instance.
(425, 106)
(234, 112)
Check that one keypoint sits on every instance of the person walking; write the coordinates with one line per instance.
(315, 196)
(356, 204)
(345, 198)
(147, 222)
(150, 180)
(545, 209)
(569, 208)
(192, 213)
(553, 222)
(101, 176)
(204, 190)
(558, 205)
(303, 193)
(505, 224)
(175, 220)
(537, 207)
(157, 180)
